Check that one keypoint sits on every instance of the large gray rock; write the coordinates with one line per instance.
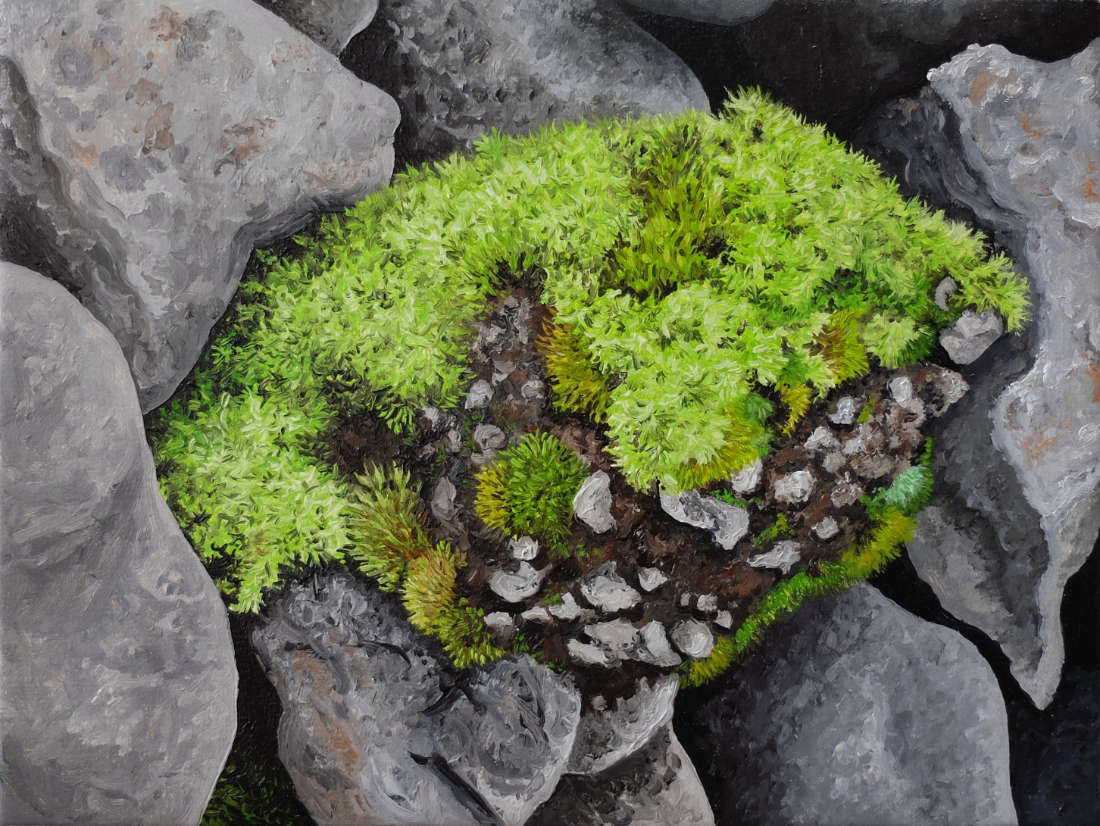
(150, 144)
(376, 730)
(458, 69)
(832, 61)
(658, 786)
(332, 23)
(1017, 143)
(119, 687)
(855, 711)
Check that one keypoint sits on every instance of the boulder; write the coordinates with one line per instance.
(1016, 143)
(150, 145)
(331, 23)
(458, 69)
(120, 686)
(855, 711)
(377, 730)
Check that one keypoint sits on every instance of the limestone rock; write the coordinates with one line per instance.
(971, 335)
(524, 548)
(152, 145)
(748, 479)
(592, 503)
(119, 687)
(693, 638)
(727, 524)
(852, 682)
(375, 730)
(650, 579)
(518, 585)
(489, 437)
(568, 610)
(652, 646)
(847, 410)
(458, 69)
(443, 500)
(1012, 139)
(479, 395)
(616, 637)
(826, 529)
(793, 488)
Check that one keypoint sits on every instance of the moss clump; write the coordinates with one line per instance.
(529, 489)
(696, 266)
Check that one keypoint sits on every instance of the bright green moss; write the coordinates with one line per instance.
(699, 263)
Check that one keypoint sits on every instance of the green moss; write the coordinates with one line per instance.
(776, 529)
(699, 265)
(528, 490)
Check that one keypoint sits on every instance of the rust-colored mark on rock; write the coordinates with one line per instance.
(143, 91)
(980, 85)
(243, 140)
(1088, 190)
(86, 155)
(1093, 371)
(158, 128)
(166, 25)
(1025, 124)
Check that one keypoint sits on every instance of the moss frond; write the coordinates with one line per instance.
(491, 501)
(465, 637)
(842, 349)
(387, 526)
(797, 398)
(701, 672)
(578, 386)
(429, 586)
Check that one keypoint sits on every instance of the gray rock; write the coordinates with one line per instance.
(793, 488)
(568, 610)
(855, 711)
(332, 23)
(721, 12)
(592, 503)
(518, 585)
(826, 529)
(375, 731)
(783, 556)
(151, 146)
(724, 619)
(693, 638)
(584, 653)
(833, 462)
(707, 603)
(1020, 456)
(606, 591)
(652, 646)
(657, 787)
(822, 439)
(443, 500)
(489, 437)
(944, 290)
(846, 492)
(502, 625)
(847, 411)
(650, 579)
(454, 441)
(727, 523)
(748, 479)
(605, 739)
(538, 614)
(616, 637)
(971, 335)
(459, 69)
(524, 548)
(119, 691)
(533, 389)
(479, 395)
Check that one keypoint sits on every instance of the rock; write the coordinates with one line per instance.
(724, 619)
(454, 441)
(720, 12)
(443, 500)
(1010, 139)
(855, 711)
(657, 787)
(592, 503)
(944, 290)
(538, 614)
(782, 556)
(479, 395)
(847, 411)
(524, 548)
(459, 69)
(519, 585)
(971, 335)
(693, 638)
(727, 523)
(584, 653)
(793, 488)
(119, 692)
(331, 23)
(606, 591)
(502, 625)
(616, 637)
(826, 529)
(650, 579)
(833, 462)
(375, 729)
(605, 739)
(568, 610)
(533, 389)
(846, 492)
(748, 479)
(489, 437)
(901, 390)
(483, 458)
(652, 646)
(707, 603)
(822, 439)
(151, 146)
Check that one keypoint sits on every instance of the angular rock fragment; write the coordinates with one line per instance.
(489, 437)
(652, 646)
(793, 488)
(443, 500)
(727, 523)
(650, 579)
(693, 638)
(519, 585)
(826, 529)
(847, 411)
(605, 590)
(783, 556)
(748, 479)
(592, 503)
(971, 335)
(524, 548)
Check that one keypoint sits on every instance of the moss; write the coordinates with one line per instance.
(694, 264)
(529, 488)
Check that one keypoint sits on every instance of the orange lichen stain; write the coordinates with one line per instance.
(143, 91)
(243, 140)
(158, 128)
(980, 85)
(1034, 447)
(1088, 191)
(1093, 371)
(1025, 124)
(166, 25)
(86, 155)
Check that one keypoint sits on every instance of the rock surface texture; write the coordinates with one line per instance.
(332, 23)
(1016, 143)
(150, 144)
(376, 730)
(458, 69)
(855, 711)
(119, 683)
